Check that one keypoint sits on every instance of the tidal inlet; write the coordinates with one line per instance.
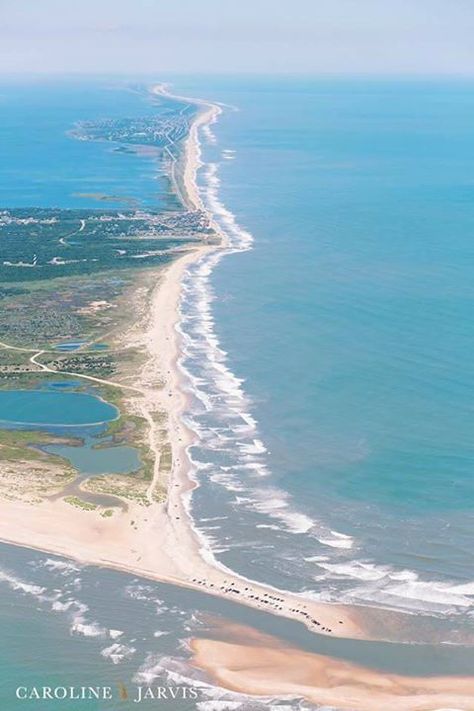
(235, 420)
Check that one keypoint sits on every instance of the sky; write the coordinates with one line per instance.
(260, 36)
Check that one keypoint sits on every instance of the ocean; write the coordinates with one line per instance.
(327, 360)
(345, 328)
(41, 165)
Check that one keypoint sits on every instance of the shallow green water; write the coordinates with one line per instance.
(90, 459)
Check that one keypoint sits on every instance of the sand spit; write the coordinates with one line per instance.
(158, 541)
(261, 665)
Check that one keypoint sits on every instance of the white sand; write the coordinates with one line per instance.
(161, 544)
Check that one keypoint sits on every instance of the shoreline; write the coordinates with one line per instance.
(192, 150)
(181, 436)
(159, 542)
(249, 662)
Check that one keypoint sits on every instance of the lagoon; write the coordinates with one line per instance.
(43, 407)
(90, 459)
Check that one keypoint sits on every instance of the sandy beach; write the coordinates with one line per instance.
(259, 664)
(158, 541)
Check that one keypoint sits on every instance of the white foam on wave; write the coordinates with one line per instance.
(145, 593)
(115, 634)
(59, 599)
(337, 540)
(220, 392)
(207, 131)
(227, 482)
(59, 606)
(118, 652)
(255, 447)
(92, 629)
(173, 671)
(151, 669)
(402, 589)
(434, 594)
(276, 505)
(17, 584)
(80, 625)
(355, 570)
(214, 518)
(64, 567)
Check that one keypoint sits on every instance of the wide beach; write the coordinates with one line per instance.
(160, 541)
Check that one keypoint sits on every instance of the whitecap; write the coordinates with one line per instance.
(337, 540)
(118, 652)
(19, 585)
(65, 567)
(91, 629)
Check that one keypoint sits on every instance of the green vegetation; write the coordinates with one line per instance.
(75, 292)
(166, 460)
(13, 365)
(100, 365)
(131, 430)
(80, 503)
(43, 243)
(24, 445)
(48, 313)
(123, 486)
(159, 494)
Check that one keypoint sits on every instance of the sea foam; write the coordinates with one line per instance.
(221, 413)
(231, 455)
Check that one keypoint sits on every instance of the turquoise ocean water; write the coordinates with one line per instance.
(42, 166)
(328, 362)
(350, 322)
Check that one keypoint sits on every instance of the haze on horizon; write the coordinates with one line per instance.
(260, 36)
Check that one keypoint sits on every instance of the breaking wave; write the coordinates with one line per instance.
(229, 453)
(231, 457)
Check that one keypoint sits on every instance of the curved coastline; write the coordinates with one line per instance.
(163, 544)
(245, 661)
(257, 665)
(211, 575)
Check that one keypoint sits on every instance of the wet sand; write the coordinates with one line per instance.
(158, 541)
(258, 664)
